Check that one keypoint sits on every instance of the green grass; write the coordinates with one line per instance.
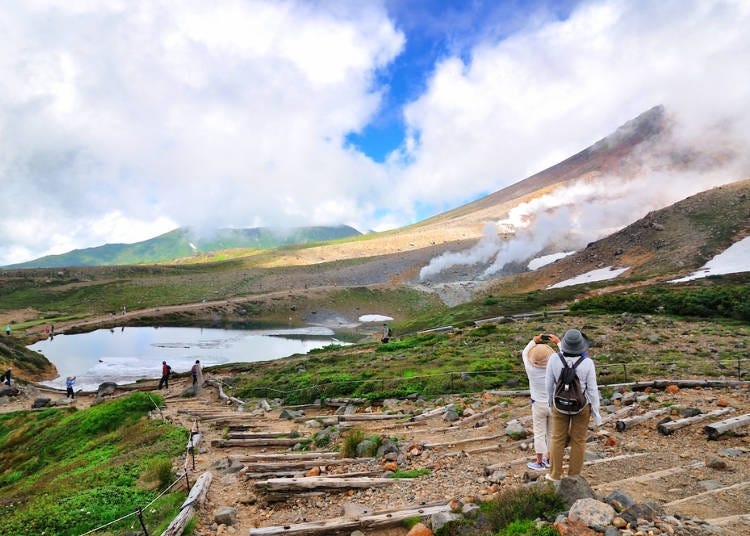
(66, 471)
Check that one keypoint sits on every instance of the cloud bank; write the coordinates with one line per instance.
(121, 120)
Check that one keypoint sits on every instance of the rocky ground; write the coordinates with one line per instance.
(469, 459)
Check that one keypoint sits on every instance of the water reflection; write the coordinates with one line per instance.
(126, 355)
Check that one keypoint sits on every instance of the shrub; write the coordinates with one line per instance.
(522, 503)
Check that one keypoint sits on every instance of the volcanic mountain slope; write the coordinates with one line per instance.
(639, 154)
(665, 244)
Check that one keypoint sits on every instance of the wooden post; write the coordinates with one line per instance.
(140, 518)
(622, 424)
(716, 429)
(669, 427)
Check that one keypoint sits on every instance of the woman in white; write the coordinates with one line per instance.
(535, 357)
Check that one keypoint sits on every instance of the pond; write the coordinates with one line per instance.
(124, 355)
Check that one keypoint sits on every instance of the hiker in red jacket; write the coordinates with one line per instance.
(166, 370)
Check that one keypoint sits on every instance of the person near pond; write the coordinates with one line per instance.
(166, 370)
(387, 334)
(69, 382)
(535, 356)
(6, 376)
(197, 372)
(571, 428)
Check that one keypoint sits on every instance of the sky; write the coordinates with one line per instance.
(123, 119)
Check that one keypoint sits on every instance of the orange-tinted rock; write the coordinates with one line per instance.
(420, 529)
(672, 389)
(314, 471)
(722, 403)
(610, 442)
(390, 466)
(574, 528)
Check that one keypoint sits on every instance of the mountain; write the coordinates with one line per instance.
(181, 243)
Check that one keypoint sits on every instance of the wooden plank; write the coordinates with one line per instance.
(320, 482)
(669, 427)
(649, 476)
(733, 423)
(361, 417)
(617, 414)
(339, 524)
(686, 384)
(301, 464)
(433, 412)
(286, 456)
(709, 493)
(258, 435)
(279, 442)
(622, 424)
(463, 441)
(477, 416)
(195, 498)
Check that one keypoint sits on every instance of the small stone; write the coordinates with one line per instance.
(420, 529)
(672, 389)
(714, 462)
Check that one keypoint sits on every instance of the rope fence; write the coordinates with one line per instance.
(182, 477)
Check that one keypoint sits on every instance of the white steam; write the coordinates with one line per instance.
(577, 213)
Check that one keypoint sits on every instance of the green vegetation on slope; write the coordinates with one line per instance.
(179, 243)
(65, 472)
(472, 359)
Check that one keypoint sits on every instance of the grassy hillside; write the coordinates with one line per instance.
(64, 472)
(179, 243)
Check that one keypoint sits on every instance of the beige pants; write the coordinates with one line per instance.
(568, 427)
(541, 419)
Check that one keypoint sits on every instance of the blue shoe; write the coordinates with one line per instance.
(535, 466)
(546, 463)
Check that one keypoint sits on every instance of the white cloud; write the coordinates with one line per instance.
(529, 101)
(229, 113)
(235, 112)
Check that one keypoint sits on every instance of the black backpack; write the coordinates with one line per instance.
(569, 398)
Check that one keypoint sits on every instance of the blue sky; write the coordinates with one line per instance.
(123, 119)
(435, 30)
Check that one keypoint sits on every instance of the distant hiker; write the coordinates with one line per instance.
(197, 372)
(69, 381)
(572, 427)
(6, 376)
(535, 356)
(166, 370)
(52, 329)
(7, 330)
(387, 334)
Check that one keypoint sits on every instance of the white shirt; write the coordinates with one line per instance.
(537, 376)
(586, 372)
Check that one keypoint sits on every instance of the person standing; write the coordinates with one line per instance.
(197, 372)
(166, 370)
(6, 376)
(69, 382)
(7, 330)
(567, 427)
(387, 333)
(535, 357)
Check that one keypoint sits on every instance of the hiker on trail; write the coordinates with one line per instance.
(69, 382)
(166, 370)
(535, 356)
(572, 428)
(7, 330)
(387, 333)
(197, 371)
(6, 376)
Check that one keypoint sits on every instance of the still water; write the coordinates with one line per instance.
(124, 355)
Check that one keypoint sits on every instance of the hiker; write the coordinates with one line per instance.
(197, 371)
(69, 382)
(7, 330)
(6, 376)
(166, 370)
(387, 333)
(572, 428)
(535, 356)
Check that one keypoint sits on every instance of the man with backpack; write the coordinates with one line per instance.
(573, 397)
(166, 370)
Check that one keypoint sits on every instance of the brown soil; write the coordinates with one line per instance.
(460, 454)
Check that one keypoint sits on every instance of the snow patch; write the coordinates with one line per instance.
(374, 318)
(544, 260)
(600, 274)
(734, 259)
